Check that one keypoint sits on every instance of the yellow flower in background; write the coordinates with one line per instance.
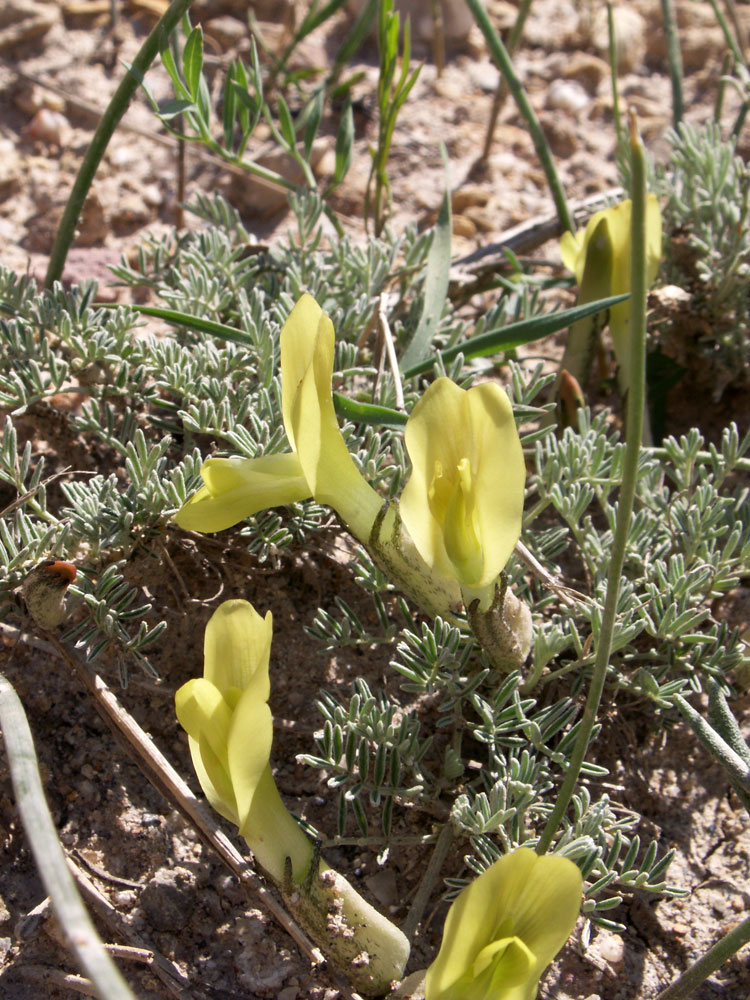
(463, 503)
(505, 928)
(603, 252)
(320, 465)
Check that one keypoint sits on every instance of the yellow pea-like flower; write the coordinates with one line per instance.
(319, 466)
(230, 729)
(505, 928)
(463, 503)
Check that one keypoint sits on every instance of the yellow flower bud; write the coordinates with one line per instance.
(606, 269)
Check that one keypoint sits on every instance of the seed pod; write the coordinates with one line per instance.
(44, 591)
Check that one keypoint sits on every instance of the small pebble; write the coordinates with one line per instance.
(612, 949)
(50, 127)
(567, 95)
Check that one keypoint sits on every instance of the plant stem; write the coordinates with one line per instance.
(502, 88)
(443, 845)
(505, 65)
(72, 916)
(104, 132)
(714, 958)
(613, 75)
(675, 60)
(730, 39)
(634, 429)
(721, 87)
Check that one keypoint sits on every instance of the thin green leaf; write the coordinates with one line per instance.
(239, 86)
(246, 98)
(194, 323)
(173, 108)
(360, 30)
(68, 907)
(314, 115)
(436, 279)
(192, 61)
(204, 103)
(171, 67)
(286, 123)
(508, 337)
(315, 17)
(344, 144)
(229, 106)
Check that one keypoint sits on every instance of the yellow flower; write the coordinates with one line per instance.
(230, 729)
(603, 253)
(505, 928)
(221, 708)
(464, 500)
(320, 465)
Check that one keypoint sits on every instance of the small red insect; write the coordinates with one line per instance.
(64, 570)
(44, 591)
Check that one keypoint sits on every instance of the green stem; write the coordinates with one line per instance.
(72, 917)
(740, 120)
(675, 60)
(721, 87)
(613, 75)
(714, 958)
(634, 430)
(730, 39)
(734, 764)
(502, 88)
(724, 721)
(104, 132)
(434, 867)
(505, 65)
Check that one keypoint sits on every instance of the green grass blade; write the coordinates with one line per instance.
(193, 322)
(508, 337)
(436, 280)
(192, 61)
(70, 912)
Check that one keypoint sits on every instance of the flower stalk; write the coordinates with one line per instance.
(636, 402)
(104, 132)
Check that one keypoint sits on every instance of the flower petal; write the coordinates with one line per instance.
(307, 345)
(213, 779)
(571, 251)
(238, 488)
(248, 749)
(206, 717)
(237, 649)
(464, 500)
